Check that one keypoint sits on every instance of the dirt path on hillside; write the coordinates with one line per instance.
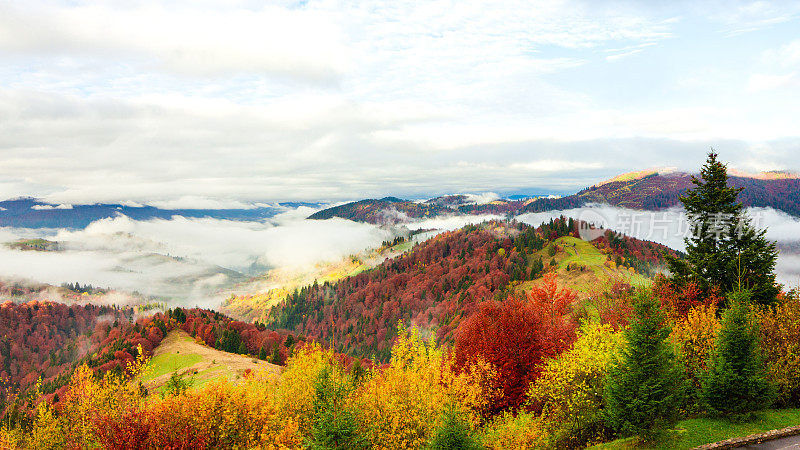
(214, 364)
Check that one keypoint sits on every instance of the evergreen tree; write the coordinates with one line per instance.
(644, 389)
(736, 381)
(724, 251)
(275, 357)
(262, 354)
(334, 424)
(453, 433)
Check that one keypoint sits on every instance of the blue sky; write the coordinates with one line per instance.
(206, 103)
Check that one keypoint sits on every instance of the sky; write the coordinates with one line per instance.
(227, 102)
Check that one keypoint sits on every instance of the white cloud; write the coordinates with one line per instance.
(787, 55)
(189, 260)
(549, 165)
(49, 207)
(181, 38)
(187, 104)
(481, 199)
(197, 202)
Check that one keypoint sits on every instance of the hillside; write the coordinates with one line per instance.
(179, 353)
(251, 300)
(440, 282)
(389, 210)
(644, 190)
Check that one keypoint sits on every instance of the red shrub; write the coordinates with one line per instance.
(516, 335)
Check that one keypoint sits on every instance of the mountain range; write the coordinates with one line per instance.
(645, 190)
(28, 212)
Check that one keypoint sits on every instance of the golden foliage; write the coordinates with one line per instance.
(694, 338)
(401, 405)
(780, 342)
(507, 432)
(570, 389)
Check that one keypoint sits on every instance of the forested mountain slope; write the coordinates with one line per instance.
(440, 282)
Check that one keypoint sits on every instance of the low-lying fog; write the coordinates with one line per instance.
(191, 261)
(669, 227)
(183, 259)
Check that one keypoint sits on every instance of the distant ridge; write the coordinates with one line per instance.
(27, 212)
(650, 189)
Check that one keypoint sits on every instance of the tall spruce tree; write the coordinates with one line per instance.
(644, 389)
(724, 252)
(736, 381)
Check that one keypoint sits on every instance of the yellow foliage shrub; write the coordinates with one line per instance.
(694, 338)
(780, 342)
(295, 397)
(509, 432)
(401, 405)
(570, 389)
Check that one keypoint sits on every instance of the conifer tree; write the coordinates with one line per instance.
(334, 425)
(453, 432)
(736, 382)
(724, 251)
(644, 389)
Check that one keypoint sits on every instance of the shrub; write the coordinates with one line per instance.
(507, 431)
(780, 344)
(570, 388)
(694, 338)
(399, 406)
(516, 335)
(453, 432)
(335, 424)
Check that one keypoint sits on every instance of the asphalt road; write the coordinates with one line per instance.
(791, 442)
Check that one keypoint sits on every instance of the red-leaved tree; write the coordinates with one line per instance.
(516, 335)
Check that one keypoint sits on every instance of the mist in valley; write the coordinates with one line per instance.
(183, 260)
(669, 227)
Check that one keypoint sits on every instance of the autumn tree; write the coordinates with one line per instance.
(724, 251)
(516, 335)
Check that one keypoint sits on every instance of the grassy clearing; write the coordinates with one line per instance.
(598, 273)
(579, 251)
(693, 432)
(167, 363)
(179, 352)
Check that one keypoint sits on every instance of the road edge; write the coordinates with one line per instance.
(752, 439)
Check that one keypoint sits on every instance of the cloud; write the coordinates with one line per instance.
(549, 165)
(787, 55)
(480, 199)
(198, 202)
(448, 223)
(670, 227)
(50, 207)
(185, 260)
(212, 103)
(765, 82)
(197, 41)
